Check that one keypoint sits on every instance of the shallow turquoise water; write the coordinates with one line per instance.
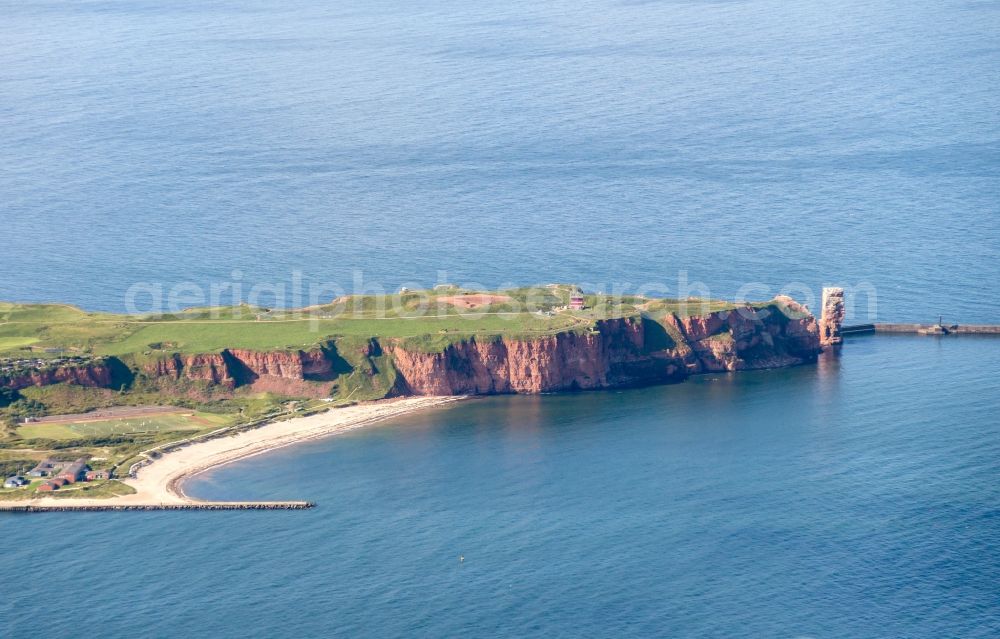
(856, 498)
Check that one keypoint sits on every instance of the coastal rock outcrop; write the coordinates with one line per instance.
(206, 367)
(610, 355)
(748, 338)
(615, 353)
(831, 316)
(95, 374)
(284, 372)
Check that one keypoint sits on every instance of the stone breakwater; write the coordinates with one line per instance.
(923, 329)
(158, 485)
(63, 508)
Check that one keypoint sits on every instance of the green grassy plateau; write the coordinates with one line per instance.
(49, 330)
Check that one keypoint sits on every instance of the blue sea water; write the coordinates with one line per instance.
(853, 499)
(599, 142)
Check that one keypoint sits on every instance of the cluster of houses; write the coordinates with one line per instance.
(13, 366)
(59, 474)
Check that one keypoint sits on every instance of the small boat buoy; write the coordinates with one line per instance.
(461, 559)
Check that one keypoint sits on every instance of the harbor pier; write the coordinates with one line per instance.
(208, 505)
(922, 329)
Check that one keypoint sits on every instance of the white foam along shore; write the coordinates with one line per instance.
(160, 483)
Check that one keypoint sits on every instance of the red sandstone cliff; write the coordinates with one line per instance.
(209, 367)
(748, 338)
(615, 353)
(832, 316)
(283, 372)
(609, 356)
(93, 374)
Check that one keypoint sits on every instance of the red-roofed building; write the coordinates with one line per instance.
(77, 471)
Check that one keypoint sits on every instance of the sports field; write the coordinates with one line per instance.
(79, 426)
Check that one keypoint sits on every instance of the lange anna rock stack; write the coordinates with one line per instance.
(832, 317)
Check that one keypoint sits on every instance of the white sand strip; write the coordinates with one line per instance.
(160, 482)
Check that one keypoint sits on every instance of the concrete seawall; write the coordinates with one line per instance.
(235, 505)
(922, 329)
(857, 329)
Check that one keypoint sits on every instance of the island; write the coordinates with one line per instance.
(133, 404)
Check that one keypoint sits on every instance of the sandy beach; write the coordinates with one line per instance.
(161, 482)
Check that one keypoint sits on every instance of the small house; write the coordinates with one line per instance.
(101, 473)
(15, 482)
(576, 302)
(47, 487)
(44, 468)
(77, 471)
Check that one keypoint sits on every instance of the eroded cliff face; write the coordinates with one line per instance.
(292, 373)
(832, 316)
(211, 368)
(785, 334)
(618, 353)
(614, 353)
(96, 374)
(295, 373)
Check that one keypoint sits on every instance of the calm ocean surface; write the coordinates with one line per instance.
(856, 498)
(841, 142)
(504, 142)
